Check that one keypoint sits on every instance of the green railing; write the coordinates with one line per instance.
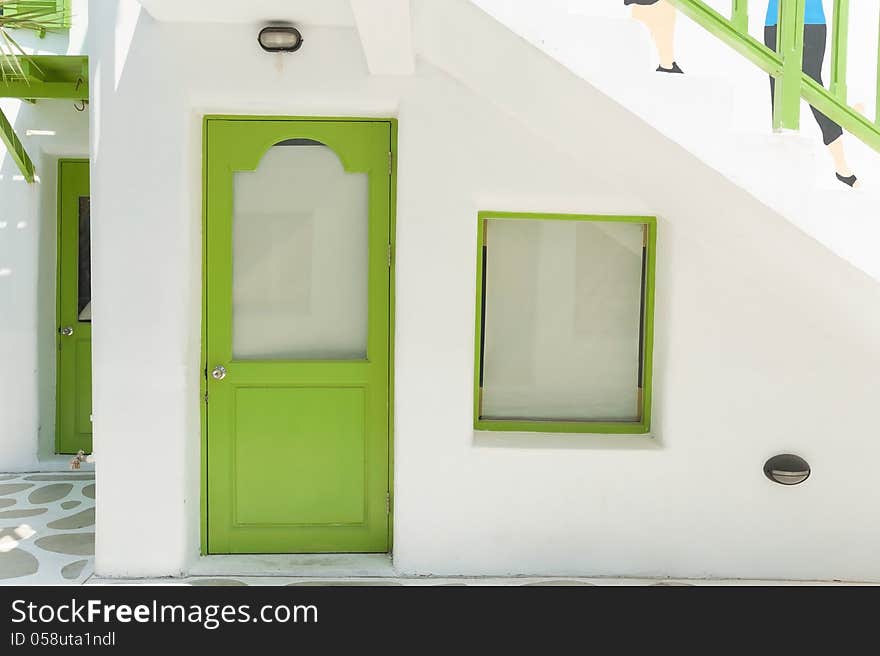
(785, 65)
(39, 77)
(16, 149)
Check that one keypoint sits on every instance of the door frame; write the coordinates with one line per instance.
(203, 370)
(57, 447)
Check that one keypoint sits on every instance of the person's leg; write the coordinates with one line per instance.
(660, 20)
(841, 166)
(814, 54)
(770, 42)
(815, 39)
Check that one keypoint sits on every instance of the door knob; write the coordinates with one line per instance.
(67, 331)
(219, 372)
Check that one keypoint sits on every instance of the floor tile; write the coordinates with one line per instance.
(43, 540)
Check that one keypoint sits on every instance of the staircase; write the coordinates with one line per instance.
(719, 111)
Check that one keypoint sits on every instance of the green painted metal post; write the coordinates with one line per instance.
(739, 16)
(839, 49)
(790, 45)
(16, 149)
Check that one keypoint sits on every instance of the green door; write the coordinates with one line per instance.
(74, 388)
(297, 334)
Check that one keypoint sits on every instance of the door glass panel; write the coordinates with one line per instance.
(300, 257)
(84, 285)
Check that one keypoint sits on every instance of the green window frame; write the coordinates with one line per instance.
(60, 7)
(646, 332)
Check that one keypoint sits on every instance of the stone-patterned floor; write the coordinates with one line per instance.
(47, 528)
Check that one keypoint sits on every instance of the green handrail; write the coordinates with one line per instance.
(785, 65)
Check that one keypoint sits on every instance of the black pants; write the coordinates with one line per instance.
(815, 37)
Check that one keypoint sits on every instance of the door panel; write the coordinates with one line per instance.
(298, 331)
(74, 375)
(84, 391)
(317, 438)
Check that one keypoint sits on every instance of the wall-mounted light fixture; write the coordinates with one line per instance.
(280, 38)
(787, 469)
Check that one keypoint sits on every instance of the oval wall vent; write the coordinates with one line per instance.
(787, 469)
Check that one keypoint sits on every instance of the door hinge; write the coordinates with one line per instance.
(390, 253)
(390, 163)
(206, 396)
(387, 503)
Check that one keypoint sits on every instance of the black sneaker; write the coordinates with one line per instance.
(851, 180)
(674, 69)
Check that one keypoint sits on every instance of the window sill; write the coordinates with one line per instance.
(562, 427)
(550, 440)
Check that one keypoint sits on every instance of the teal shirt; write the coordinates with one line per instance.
(814, 15)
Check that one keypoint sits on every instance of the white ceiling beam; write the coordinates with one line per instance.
(385, 29)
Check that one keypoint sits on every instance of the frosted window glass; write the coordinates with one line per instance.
(300, 257)
(563, 320)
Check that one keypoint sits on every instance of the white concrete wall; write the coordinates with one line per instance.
(19, 238)
(28, 263)
(765, 341)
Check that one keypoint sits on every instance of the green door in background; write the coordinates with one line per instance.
(297, 335)
(74, 392)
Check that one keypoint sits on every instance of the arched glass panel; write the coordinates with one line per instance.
(300, 257)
